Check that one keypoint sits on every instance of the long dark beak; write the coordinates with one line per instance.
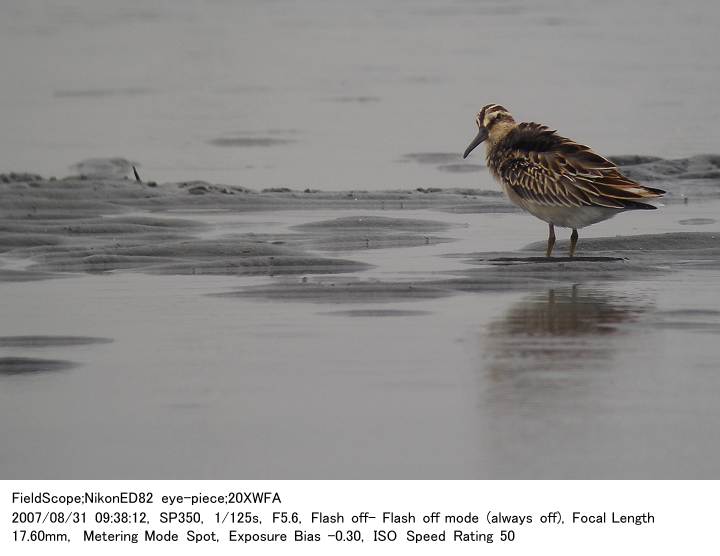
(479, 138)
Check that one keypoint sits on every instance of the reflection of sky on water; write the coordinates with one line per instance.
(363, 82)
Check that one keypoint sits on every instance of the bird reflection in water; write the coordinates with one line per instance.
(560, 330)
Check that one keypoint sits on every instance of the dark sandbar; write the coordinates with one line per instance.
(433, 158)
(377, 313)
(249, 141)
(50, 341)
(28, 365)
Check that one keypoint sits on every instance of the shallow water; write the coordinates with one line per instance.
(335, 95)
(594, 379)
(124, 375)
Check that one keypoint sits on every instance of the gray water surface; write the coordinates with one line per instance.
(128, 375)
(336, 95)
(600, 378)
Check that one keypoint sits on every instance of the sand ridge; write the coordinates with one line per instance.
(100, 224)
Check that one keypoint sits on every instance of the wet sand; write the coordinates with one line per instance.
(196, 330)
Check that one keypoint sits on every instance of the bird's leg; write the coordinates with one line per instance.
(573, 242)
(551, 240)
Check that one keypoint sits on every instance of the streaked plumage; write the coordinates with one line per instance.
(554, 178)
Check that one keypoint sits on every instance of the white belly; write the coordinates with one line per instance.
(564, 217)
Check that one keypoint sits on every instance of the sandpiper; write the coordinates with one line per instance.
(554, 178)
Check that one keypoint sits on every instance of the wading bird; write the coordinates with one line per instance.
(554, 178)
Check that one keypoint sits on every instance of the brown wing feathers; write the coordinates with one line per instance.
(553, 170)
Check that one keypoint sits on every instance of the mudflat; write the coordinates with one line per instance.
(200, 330)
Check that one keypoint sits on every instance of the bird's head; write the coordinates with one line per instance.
(494, 122)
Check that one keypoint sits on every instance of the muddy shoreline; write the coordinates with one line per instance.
(102, 224)
(390, 334)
